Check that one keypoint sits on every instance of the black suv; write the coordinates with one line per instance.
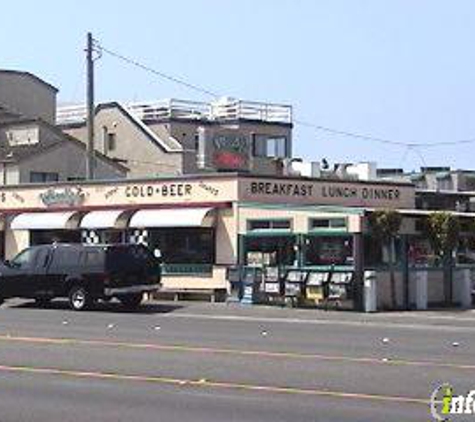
(81, 273)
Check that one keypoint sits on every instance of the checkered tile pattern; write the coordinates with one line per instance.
(90, 237)
(138, 237)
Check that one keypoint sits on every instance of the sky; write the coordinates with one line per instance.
(402, 70)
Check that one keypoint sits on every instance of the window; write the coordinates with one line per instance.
(270, 146)
(43, 177)
(329, 250)
(445, 184)
(197, 141)
(184, 245)
(24, 259)
(111, 142)
(108, 140)
(327, 223)
(270, 250)
(93, 258)
(65, 257)
(269, 225)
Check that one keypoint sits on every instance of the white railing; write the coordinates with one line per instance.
(71, 114)
(171, 108)
(250, 110)
(191, 110)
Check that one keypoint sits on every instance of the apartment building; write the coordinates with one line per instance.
(176, 137)
(32, 148)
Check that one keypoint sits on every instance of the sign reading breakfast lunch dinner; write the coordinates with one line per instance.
(223, 189)
(328, 193)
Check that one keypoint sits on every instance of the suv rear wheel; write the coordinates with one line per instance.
(132, 300)
(79, 298)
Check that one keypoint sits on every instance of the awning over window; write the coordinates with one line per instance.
(175, 217)
(45, 220)
(105, 219)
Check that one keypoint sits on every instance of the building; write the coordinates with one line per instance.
(438, 188)
(175, 137)
(32, 148)
(207, 224)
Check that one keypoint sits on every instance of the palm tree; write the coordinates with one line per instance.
(385, 225)
(442, 230)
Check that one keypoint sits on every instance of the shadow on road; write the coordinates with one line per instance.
(112, 307)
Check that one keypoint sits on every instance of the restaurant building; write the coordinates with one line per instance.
(204, 225)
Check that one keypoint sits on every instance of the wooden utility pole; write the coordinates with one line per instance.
(90, 109)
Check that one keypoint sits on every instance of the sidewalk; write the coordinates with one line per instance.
(236, 311)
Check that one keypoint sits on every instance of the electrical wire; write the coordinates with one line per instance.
(161, 74)
(414, 146)
(383, 140)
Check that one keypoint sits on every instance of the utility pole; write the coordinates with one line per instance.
(90, 109)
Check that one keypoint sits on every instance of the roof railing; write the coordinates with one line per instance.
(221, 110)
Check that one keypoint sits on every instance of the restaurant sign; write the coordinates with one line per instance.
(231, 151)
(67, 197)
(120, 194)
(329, 193)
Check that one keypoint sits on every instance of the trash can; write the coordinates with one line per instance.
(251, 278)
(314, 290)
(418, 293)
(295, 286)
(462, 287)
(370, 294)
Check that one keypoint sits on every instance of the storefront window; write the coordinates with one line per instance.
(329, 250)
(45, 237)
(184, 245)
(270, 250)
(327, 223)
(282, 224)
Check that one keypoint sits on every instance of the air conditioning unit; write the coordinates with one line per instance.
(296, 167)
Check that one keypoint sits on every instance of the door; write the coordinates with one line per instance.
(16, 276)
(40, 279)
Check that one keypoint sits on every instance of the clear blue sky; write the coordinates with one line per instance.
(403, 70)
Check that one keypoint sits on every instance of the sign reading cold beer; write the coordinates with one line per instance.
(329, 193)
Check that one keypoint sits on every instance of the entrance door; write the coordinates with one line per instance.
(17, 279)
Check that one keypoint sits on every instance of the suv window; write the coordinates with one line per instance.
(41, 258)
(93, 258)
(65, 257)
(134, 258)
(24, 259)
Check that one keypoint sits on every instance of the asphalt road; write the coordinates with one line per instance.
(212, 362)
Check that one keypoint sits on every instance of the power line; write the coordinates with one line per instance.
(351, 134)
(410, 145)
(161, 74)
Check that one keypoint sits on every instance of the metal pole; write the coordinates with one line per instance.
(90, 109)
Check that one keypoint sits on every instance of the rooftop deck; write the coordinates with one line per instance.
(221, 110)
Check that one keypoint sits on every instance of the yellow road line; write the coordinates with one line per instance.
(238, 352)
(211, 384)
